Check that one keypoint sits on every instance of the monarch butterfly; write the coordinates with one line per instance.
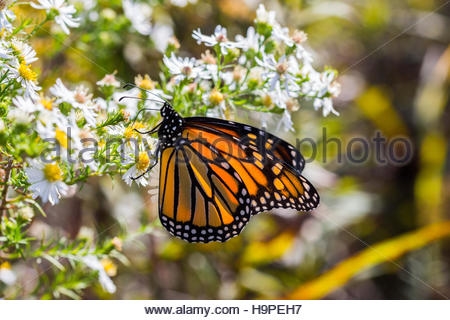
(216, 174)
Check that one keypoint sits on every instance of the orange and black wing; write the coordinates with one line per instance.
(218, 174)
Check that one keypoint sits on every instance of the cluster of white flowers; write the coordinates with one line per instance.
(269, 66)
(16, 55)
(15, 65)
(69, 121)
(61, 11)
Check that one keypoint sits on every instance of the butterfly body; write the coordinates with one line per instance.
(216, 174)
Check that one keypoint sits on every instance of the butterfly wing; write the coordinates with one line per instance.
(266, 143)
(200, 199)
(219, 173)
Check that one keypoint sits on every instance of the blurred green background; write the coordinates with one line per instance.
(394, 63)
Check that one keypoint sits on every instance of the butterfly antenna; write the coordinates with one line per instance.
(140, 111)
(131, 85)
(137, 98)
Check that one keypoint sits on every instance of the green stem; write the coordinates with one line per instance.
(3, 200)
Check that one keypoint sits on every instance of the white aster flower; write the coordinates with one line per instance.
(80, 99)
(94, 263)
(274, 122)
(264, 16)
(214, 98)
(6, 16)
(321, 87)
(162, 35)
(281, 99)
(20, 116)
(7, 276)
(46, 181)
(234, 79)
(299, 37)
(281, 73)
(62, 12)
(105, 105)
(286, 123)
(219, 37)
(60, 91)
(48, 115)
(109, 80)
(139, 171)
(6, 51)
(24, 52)
(25, 104)
(182, 68)
(73, 131)
(63, 132)
(251, 41)
(326, 104)
(23, 74)
(139, 14)
(42, 105)
(282, 34)
(88, 139)
(303, 55)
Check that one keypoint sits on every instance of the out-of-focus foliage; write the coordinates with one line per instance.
(381, 167)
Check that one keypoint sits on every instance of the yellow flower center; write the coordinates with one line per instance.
(109, 266)
(47, 103)
(145, 83)
(130, 130)
(52, 172)
(61, 137)
(215, 97)
(143, 161)
(101, 143)
(26, 72)
(267, 101)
